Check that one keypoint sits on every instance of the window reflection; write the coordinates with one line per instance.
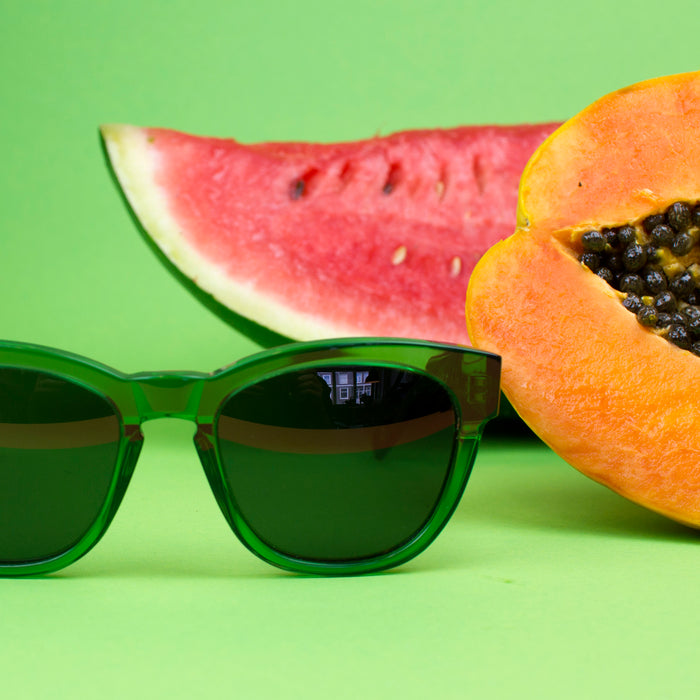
(356, 386)
(339, 397)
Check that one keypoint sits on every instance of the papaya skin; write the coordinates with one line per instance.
(613, 399)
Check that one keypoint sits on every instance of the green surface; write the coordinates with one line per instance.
(544, 584)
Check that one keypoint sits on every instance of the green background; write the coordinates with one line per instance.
(544, 584)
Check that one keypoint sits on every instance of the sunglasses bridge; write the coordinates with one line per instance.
(167, 394)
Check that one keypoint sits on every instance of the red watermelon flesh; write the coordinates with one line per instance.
(367, 238)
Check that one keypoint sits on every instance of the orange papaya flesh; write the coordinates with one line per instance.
(630, 152)
(611, 396)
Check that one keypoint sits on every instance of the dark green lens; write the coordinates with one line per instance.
(337, 463)
(58, 451)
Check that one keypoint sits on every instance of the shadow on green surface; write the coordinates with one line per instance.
(520, 482)
(167, 565)
(508, 426)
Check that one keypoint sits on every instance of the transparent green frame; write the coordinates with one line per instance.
(471, 377)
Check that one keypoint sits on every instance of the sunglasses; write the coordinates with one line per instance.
(331, 457)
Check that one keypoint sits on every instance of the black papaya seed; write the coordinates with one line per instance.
(627, 235)
(664, 320)
(591, 261)
(690, 312)
(593, 241)
(679, 336)
(631, 283)
(648, 316)
(665, 301)
(695, 216)
(614, 262)
(662, 236)
(682, 244)
(634, 257)
(694, 297)
(682, 285)
(652, 222)
(677, 317)
(611, 238)
(679, 216)
(632, 303)
(606, 274)
(693, 326)
(655, 281)
(653, 255)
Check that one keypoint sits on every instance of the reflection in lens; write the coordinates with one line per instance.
(340, 463)
(58, 450)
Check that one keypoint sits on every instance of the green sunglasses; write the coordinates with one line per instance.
(331, 457)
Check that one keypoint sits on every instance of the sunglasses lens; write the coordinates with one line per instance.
(337, 463)
(58, 451)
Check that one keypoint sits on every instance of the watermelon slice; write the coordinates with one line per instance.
(368, 238)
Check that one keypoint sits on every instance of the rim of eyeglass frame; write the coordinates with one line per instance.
(198, 396)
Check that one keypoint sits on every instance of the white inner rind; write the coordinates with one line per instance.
(135, 162)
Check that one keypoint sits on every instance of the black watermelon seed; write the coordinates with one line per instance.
(679, 336)
(634, 257)
(662, 235)
(682, 244)
(591, 261)
(606, 274)
(694, 298)
(296, 191)
(696, 349)
(679, 216)
(627, 235)
(655, 281)
(632, 303)
(682, 285)
(647, 316)
(632, 284)
(652, 221)
(593, 241)
(665, 301)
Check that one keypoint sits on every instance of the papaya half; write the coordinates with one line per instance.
(594, 301)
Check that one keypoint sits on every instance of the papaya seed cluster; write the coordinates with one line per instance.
(655, 265)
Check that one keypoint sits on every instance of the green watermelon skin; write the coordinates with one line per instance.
(375, 237)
